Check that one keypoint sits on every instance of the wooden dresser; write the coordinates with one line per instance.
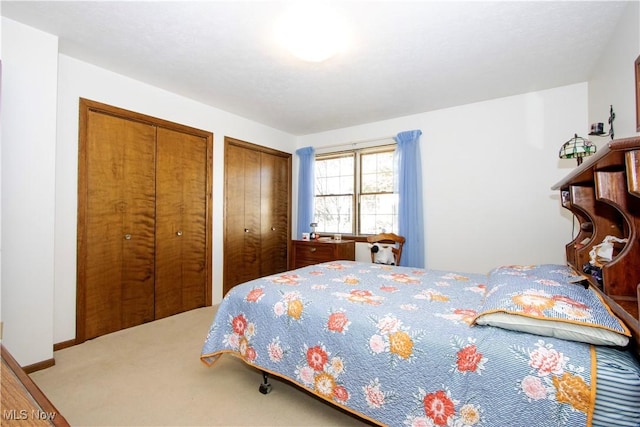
(22, 402)
(309, 252)
(604, 196)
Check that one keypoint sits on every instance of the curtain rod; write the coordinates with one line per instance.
(354, 143)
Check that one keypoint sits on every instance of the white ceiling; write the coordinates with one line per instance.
(404, 57)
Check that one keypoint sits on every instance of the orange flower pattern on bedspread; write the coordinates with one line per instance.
(552, 377)
(397, 345)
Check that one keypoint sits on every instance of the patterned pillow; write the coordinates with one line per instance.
(539, 299)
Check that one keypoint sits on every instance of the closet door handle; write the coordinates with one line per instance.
(246, 230)
(127, 236)
(179, 233)
(273, 229)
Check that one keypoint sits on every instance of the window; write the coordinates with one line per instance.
(354, 192)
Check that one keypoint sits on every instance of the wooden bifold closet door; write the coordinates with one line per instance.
(181, 224)
(144, 219)
(257, 206)
(275, 181)
(242, 215)
(120, 222)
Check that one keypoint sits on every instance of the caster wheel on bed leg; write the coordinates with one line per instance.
(265, 387)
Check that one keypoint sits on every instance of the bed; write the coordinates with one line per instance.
(403, 346)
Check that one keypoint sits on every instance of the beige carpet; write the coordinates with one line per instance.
(151, 375)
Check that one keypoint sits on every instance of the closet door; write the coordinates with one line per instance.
(181, 222)
(274, 208)
(242, 215)
(116, 253)
(144, 219)
(257, 200)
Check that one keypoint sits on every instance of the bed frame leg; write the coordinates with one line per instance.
(265, 387)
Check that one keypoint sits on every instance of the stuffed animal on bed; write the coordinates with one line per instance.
(383, 254)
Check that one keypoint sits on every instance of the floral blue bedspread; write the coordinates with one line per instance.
(395, 345)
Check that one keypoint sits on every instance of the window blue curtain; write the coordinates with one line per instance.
(410, 207)
(306, 182)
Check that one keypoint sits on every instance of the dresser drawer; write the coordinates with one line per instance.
(318, 252)
(305, 252)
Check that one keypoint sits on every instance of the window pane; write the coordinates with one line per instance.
(334, 214)
(334, 175)
(377, 172)
(379, 213)
(366, 176)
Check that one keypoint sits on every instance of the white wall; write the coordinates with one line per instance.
(28, 172)
(613, 79)
(487, 172)
(1, 323)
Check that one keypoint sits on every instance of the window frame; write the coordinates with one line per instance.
(356, 207)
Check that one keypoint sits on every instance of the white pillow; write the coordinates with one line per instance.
(550, 328)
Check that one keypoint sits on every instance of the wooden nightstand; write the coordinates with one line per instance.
(309, 252)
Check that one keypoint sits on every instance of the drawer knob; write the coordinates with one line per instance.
(312, 249)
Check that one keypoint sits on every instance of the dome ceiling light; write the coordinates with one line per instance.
(312, 32)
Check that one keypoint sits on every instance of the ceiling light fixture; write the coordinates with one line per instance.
(312, 32)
